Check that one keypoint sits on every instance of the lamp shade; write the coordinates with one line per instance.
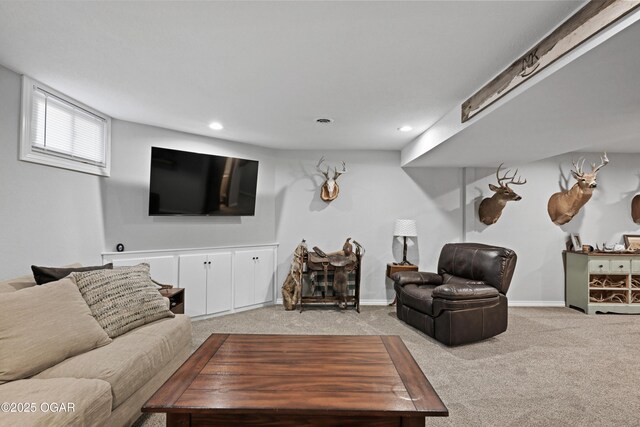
(405, 227)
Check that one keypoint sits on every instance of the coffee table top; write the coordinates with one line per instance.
(299, 374)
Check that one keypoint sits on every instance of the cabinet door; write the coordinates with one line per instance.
(193, 278)
(219, 282)
(244, 267)
(264, 275)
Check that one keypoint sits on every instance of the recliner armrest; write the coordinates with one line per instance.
(463, 291)
(403, 278)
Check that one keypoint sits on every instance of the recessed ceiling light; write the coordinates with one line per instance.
(405, 128)
(324, 120)
(216, 126)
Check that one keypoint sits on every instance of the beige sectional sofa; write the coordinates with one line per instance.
(105, 386)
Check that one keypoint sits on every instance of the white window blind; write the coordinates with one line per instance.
(62, 132)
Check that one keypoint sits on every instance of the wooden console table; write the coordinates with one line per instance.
(603, 282)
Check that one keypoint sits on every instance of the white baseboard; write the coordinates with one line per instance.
(362, 302)
(374, 302)
(536, 303)
(511, 303)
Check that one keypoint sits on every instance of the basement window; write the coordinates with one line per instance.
(59, 131)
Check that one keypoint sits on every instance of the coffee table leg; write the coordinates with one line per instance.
(412, 422)
(178, 420)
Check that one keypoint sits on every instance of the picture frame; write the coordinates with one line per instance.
(631, 241)
(576, 242)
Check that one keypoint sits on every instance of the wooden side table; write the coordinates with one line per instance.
(394, 268)
(176, 299)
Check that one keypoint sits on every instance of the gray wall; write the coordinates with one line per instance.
(126, 194)
(52, 216)
(48, 216)
(525, 225)
(373, 194)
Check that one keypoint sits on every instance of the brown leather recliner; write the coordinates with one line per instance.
(465, 301)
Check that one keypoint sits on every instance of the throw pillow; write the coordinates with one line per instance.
(43, 325)
(121, 299)
(51, 274)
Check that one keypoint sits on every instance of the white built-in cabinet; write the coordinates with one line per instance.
(216, 280)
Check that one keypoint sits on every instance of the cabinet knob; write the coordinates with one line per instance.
(209, 262)
(621, 266)
(600, 266)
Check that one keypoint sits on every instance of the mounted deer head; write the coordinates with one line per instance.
(330, 189)
(564, 205)
(491, 207)
(635, 209)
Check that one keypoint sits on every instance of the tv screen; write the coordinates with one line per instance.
(185, 183)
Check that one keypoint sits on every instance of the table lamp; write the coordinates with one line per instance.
(405, 228)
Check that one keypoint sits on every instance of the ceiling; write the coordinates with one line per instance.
(590, 105)
(267, 70)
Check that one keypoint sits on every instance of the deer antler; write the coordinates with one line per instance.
(604, 161)
(514, 182)
(510, 179)
(336, 174)
(577, 167)
(325, 173)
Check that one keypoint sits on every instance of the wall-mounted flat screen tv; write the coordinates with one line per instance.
(186, 183)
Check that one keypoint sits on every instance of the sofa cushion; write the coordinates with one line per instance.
(417, 297)
(22, 282)
(91, 400)
(465, 291)
(12, 285)
(121, 299)
(456, 280)
(416, 277)
(44, 275)
(131, 359)
(43, 325)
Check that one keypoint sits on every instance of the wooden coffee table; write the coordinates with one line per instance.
(298, 380)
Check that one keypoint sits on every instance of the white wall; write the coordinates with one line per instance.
(52, 216)
(126, 194)
(48, 216)
(526, 228)
(373, 194)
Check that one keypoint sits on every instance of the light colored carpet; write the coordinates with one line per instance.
(553, 366)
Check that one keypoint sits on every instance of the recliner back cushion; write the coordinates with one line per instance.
(493, 265)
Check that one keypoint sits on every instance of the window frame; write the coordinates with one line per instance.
(29, 154)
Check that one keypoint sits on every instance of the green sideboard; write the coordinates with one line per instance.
(603, 282)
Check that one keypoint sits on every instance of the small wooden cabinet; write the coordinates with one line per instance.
(602, 282)
(176, 299)
(394, 268)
